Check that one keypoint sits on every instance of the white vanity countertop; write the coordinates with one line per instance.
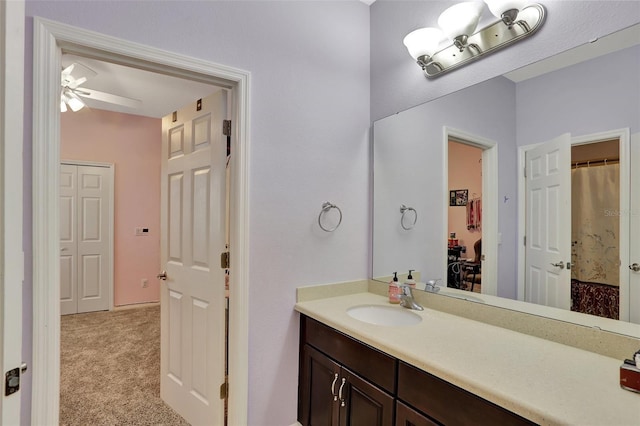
(543, 381)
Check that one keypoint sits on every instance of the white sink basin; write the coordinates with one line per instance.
(384, 315)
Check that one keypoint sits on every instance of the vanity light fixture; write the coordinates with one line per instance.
(456, 42)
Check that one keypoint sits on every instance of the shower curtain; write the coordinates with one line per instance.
(595, 252)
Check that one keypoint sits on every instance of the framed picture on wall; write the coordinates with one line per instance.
(458, 197)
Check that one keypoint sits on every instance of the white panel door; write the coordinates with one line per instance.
(548, 223)
(85, 238)
(192, 238)
(68, 240)
(634, 232)
(93, 238)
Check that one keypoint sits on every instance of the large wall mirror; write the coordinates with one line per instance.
(525, 187)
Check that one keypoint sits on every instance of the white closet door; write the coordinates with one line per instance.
(93, 238)
(68, 240)
(634, 231)
(85, 238)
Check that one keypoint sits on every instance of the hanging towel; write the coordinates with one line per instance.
(474, 214)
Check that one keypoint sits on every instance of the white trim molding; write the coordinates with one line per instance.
(489, 202)
(50, 40)
(11, 202)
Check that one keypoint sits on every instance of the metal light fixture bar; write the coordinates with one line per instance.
(487, 40)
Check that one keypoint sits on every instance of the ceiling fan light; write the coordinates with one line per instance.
(460, 19)
(63, 106)
(423, 41)
(74, 102)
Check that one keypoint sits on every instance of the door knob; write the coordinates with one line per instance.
(162, 275)
(635, 267)
(558, 265)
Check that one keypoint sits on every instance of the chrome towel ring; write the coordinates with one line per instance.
(404, 209)
(326, 206)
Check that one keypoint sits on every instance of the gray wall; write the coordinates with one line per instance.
(309, 124)
(594, 96)
(397, 83)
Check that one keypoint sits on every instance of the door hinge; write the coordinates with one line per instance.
(225, 260)
(224, 390)
(525, 240)
(226, 127)
(525, 171)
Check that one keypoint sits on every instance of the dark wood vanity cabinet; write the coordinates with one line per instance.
(345, 382)
(330, 391)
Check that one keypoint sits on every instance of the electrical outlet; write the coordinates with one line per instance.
(144, 283)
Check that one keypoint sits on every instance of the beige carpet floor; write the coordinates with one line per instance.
(110, 369)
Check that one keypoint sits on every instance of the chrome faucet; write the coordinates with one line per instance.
(431, 287)
(407, 300)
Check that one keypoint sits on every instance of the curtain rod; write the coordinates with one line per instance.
(597, 162)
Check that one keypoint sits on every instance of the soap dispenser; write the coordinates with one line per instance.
(394, 289)
(410, 281)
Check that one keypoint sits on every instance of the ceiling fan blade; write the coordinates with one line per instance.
(76, 74)
(108, 97)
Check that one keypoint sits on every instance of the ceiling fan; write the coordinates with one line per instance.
(72, 93)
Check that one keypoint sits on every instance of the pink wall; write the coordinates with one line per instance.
(133, 144)
(465, 172)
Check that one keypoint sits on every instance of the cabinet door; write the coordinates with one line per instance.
(407, 416)
(363, 404)
(318, 378)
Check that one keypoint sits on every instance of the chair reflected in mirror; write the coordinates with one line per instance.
(472, 270)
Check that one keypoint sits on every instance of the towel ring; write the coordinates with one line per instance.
(326, 206)
(404, 209)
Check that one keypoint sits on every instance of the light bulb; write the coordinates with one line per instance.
(461, 19)
(424, 41)
(74, 101)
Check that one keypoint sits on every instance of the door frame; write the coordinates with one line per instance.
(11, 200)
(112, 170)
(50, 39)
(623, 136)
(490, 236)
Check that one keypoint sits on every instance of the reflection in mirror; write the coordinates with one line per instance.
(570, 248)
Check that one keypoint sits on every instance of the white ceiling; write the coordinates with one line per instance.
(160, 94)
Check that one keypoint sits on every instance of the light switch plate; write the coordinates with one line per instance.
(142, 231)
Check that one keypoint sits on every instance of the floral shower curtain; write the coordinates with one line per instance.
(595, 205)
(595, 251)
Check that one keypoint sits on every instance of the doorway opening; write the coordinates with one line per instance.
(464, 264)
(596, 226)
(50, 40)
(131, 139)
(591, 271)
(471, 227)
